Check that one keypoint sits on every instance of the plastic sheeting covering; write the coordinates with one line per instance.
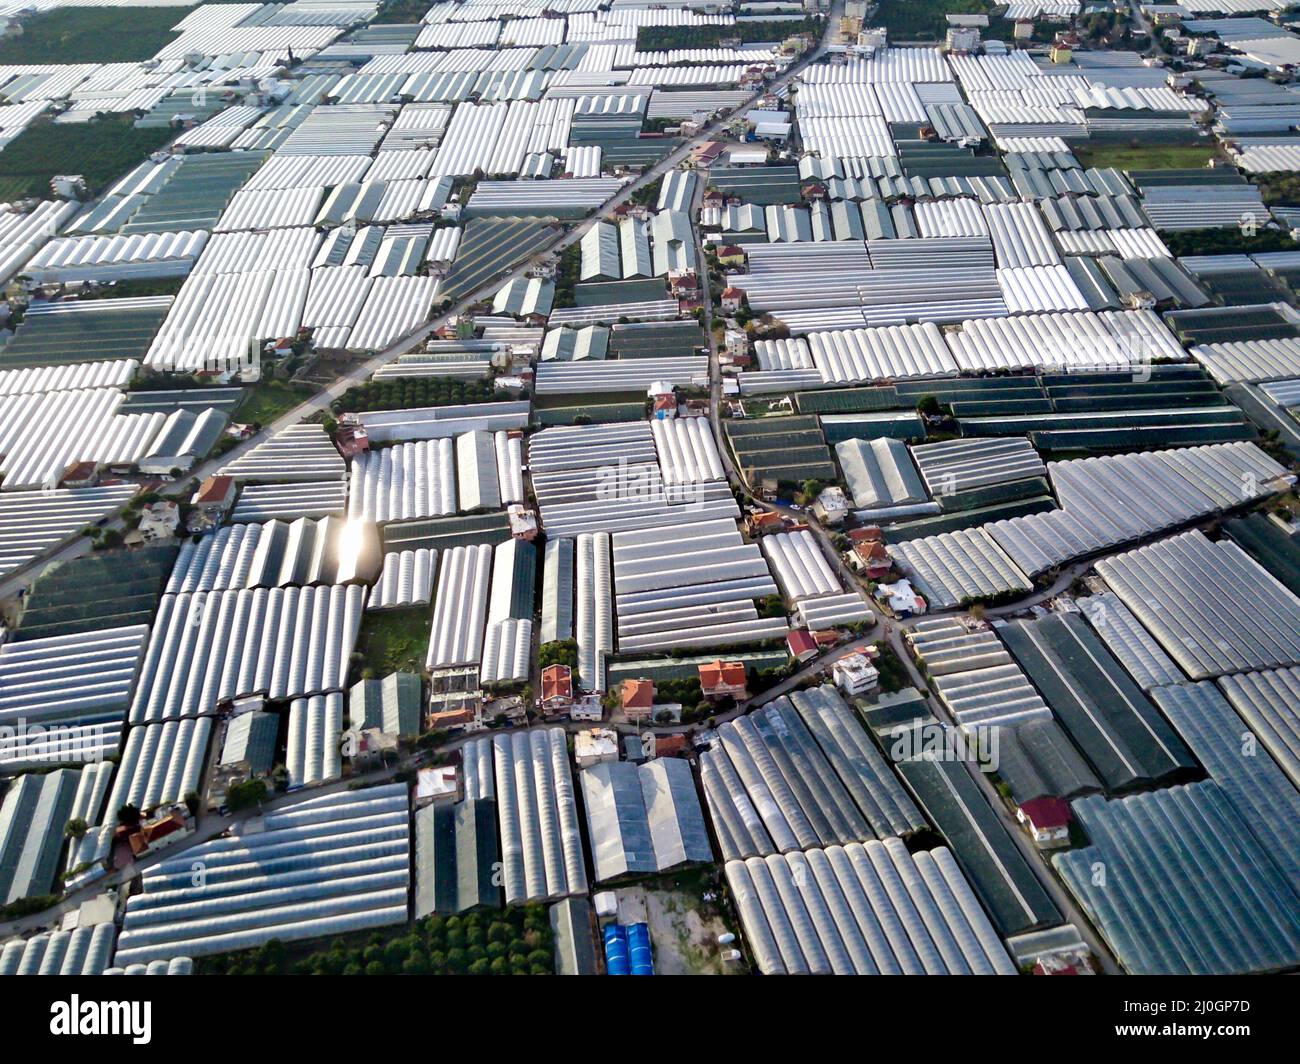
(864, 909)
(320, 867)
(541, 844)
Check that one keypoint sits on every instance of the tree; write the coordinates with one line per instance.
(129, 816)
(76, 828)
(193, 802)
(416, 964)
(246, 794)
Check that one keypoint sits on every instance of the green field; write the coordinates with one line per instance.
(401, 12)
(402, 393)
(652, 38)
(92, 35)
(267, 400)
(100, 150)
(923, 20)
(395, 640)
(1149, 157)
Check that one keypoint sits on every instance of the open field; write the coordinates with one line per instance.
(100, 150)
(1147, 157)
(92, 35)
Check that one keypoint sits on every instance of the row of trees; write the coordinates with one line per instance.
(407, 392)
(514, 941)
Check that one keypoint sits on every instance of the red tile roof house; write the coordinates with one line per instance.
(215, 493)
(670, 745)
(732, 300)
(638, 699)
(557, 688)
(871, 558)
(1048, 820)
(724, 679)
(801, 644)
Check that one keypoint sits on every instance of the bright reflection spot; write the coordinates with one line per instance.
(351, 540)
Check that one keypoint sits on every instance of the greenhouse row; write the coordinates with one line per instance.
(864, 909)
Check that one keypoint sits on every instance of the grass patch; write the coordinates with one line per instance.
(100, 150)
(1147, 156)
(269, 399)
(395, 640)
(93, 35)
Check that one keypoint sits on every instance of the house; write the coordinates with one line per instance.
(762, 521)
(1048, 821)
(212, 501)
(723, 679)
(69, 186)
(832, 505)
(594, 746)
(670, 745)
(372, 749)
(159, 520)
(715, 200)
(732, 300)
(855, 675)
(352, 440)
(557, 689)
(901, 598)
(683, 284)
(827, 637)
(167, 826)
(663, 399)
(707, 153)
(80, 475)
(801, 644)
(732, 256)
(870, 558)
(448, 719)
(638, 697)
(587, 707)
(737, 344)
(523, 522)
(436, 781)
